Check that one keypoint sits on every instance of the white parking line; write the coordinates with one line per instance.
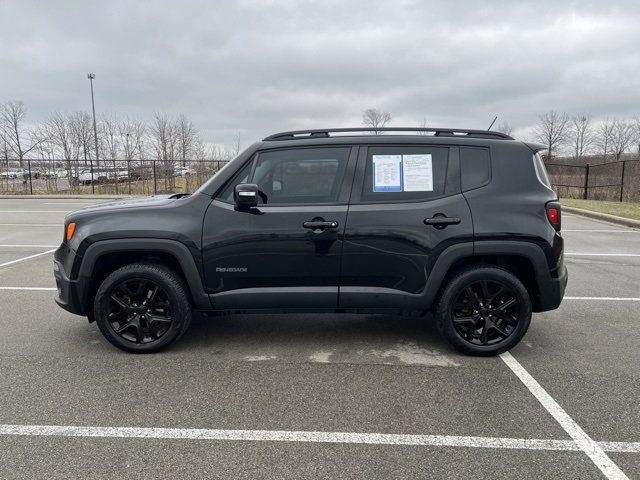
(579, 254)
(26, 258)
(600, 231)
(306, 437)
(607, 299)
(31, 225)
(593, 450)
(28, 246)
(45, 289)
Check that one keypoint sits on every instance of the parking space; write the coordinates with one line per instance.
(319, 396)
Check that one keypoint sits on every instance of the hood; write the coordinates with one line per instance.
(150, 201)
(137, 202)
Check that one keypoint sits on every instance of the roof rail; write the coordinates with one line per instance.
(437, 132)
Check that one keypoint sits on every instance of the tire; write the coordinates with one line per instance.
(142, 308)
(483, 311)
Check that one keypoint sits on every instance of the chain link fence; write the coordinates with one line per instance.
(108, 177)
(615, 181)
(618, 181)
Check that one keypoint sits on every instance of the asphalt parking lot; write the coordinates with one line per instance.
(319, 396)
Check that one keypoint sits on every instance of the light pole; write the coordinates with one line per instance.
(91, 76)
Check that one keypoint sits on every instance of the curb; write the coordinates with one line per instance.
(62, 197)
(627, 222)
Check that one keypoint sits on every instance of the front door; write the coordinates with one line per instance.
(406, 208)
(285, 253)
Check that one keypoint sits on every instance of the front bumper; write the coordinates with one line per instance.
(70, 294)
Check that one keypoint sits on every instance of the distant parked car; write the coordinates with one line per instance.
(87, 177)
(10, 174)
(183, 171)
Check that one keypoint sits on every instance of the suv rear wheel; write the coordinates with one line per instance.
(484, 311)
(142, 308)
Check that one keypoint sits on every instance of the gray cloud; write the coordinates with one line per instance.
(257, 67)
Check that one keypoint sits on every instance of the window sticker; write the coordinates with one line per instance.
(387, 173)
(417, 174)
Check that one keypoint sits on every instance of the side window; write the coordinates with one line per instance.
(475, 167)
(301, 176)
(411, 173)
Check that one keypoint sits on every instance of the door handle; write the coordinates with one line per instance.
(439, 221)
(319, 225)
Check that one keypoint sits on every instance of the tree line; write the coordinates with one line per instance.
(580, 136)
(70, 137)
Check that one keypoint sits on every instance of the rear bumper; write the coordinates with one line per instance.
(70, 295)
(552, 293)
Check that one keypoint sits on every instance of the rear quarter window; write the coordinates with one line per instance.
(475, 167)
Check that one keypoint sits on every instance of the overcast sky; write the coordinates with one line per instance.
(259, 67)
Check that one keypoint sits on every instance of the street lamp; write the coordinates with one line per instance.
(91, 76)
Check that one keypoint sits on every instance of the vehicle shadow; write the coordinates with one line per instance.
(320, 338)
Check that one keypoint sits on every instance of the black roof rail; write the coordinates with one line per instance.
(437, 132)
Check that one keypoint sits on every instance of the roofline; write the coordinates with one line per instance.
(436, 131)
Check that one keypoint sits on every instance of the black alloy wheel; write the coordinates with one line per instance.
(142, 307)
(139, 310)
(485, 312)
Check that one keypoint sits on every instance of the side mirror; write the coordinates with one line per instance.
(245, 196)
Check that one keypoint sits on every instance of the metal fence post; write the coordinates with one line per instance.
(624, 164)
(93, 183)
(586, 182)
(30, 179)
(155, 187)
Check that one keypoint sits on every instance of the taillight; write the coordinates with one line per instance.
(554, 214)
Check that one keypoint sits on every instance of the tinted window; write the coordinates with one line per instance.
(405, 173)
(296, 176)
(475, 167)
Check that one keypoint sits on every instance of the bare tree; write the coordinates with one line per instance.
(376, 119)
(131, 134)
(19, 139)
(62, 137)
(637, 122)
(622, 137)
(187, 136)
(582, 134)
(164, 138)
(552, 130)
(605, 137)
(81, 125)
(110, 143)
(505, 128)
(423, 124)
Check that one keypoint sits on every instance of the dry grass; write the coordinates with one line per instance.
(621, 209)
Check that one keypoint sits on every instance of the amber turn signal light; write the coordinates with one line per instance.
(71, 229)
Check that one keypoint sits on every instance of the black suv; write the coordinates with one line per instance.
(461, 223)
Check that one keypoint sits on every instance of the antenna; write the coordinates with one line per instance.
(494, 121)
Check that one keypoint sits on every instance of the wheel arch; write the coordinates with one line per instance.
(106, 256)
(526, 260)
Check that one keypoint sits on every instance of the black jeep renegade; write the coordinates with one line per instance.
(461, 223)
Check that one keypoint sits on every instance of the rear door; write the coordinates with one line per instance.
(286, 252)
(406, 207)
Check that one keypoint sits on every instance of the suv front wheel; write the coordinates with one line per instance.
(142, 308)
(484, 311)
